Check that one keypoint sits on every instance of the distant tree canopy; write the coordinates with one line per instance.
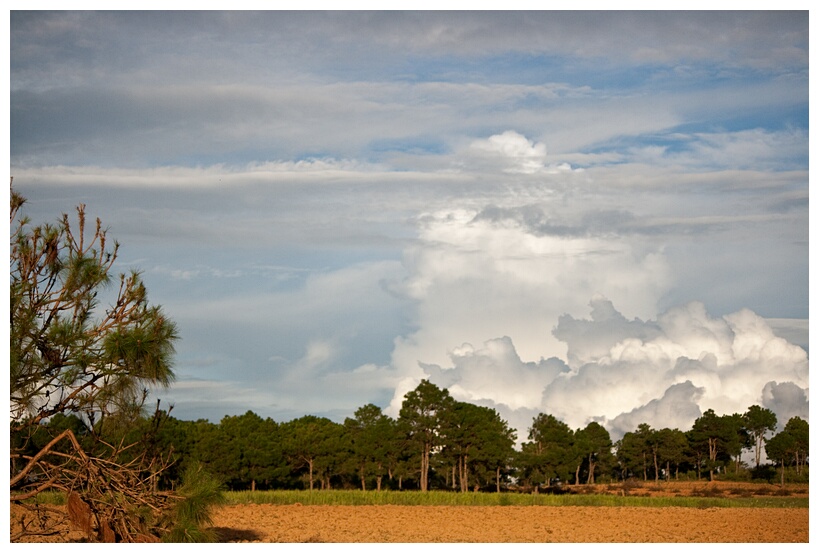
(467, 447)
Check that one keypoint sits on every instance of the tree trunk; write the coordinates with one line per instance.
(497, 479)
(378, 482)
(656, 469)
(253, 484)
(590, 479)
(712, 455)
(464, 473)
(425, 467)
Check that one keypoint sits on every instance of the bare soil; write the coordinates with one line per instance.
(406, 524)
(513, 524)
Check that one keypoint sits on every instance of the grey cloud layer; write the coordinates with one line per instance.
(242, 86)
(137, 39)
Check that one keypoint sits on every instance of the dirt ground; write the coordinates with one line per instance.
(512, 524)
(402, 524)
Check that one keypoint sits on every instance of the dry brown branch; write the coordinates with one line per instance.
(108, 500)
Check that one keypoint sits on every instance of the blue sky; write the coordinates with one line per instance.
(592, 214)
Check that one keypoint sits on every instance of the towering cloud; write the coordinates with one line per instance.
(498, 299)
(624, 372)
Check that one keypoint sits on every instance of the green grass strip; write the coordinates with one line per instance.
(442, 498)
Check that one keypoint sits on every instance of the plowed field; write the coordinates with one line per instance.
(392, 523)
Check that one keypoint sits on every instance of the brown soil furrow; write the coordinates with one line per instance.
(412, 524)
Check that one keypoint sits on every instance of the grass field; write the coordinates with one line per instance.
(441, 498)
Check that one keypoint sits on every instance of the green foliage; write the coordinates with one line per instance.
(716, 439)
(249, 446)
(373, 435)
(791, 445)
(759, 421)
(444, 498)
(191, 517)
(549, 453)
(478, 444)
(67, 353)
(315, 447)
(370, 452)
(421, 418)
(593, 444)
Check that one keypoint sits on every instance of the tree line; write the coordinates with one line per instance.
(440, 443)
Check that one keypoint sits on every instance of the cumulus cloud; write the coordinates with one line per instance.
(475, 373)
(730, 361)
(622, 372)
(787, 400)
(518, 154)
(678, 403)
(474, 280)
(512, 152)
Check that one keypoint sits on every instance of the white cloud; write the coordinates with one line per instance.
(475, 279)
(664, 372)
(513, 151)
(679, 403)
(496, 373)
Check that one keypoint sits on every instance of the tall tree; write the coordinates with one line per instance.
(594, 443)
(633, 451)
(672, 447)
(799, 430)
(759, 421)
(70, 355)
(252, 444)
(67, 355)
(737, 439)
(313, 444)
(497, 448)
(372, 434)
(421, 417)
(476, 437)
(547, 453)
(780, 448)
(722, 437)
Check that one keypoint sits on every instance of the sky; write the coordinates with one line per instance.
(597, 215)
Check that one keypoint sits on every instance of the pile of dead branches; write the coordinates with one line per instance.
(109, 500)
